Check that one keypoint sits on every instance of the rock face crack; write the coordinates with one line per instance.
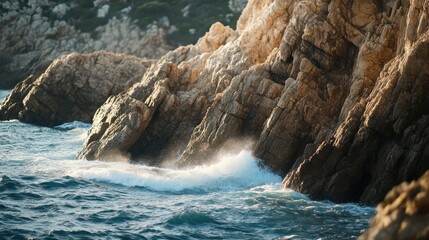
(331, 93)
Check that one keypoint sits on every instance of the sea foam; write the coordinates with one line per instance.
(229, 173)
(73, 125)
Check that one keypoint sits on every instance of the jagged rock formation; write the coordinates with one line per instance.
(33, 33)
(332, 91)
(404, 213)
(173, 97)
(380, 138)
(72, 88)
(164, 108)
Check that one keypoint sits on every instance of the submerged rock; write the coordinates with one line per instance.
(72, 88)
(404, 213)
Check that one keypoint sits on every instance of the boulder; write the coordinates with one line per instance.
(72, 88)
(403, 214)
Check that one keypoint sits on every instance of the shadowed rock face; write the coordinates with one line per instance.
(333, 93)
(404, 213)
(72, 88)
(382, 140)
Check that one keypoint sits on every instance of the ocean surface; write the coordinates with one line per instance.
(46, 194)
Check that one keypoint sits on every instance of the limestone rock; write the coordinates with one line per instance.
(72, 88)
(404, 213)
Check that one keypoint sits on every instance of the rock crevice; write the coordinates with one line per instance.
(333, 94)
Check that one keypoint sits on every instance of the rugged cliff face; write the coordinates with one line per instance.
(332, 92)
(380, 137)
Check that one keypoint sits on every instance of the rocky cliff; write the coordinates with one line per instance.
(333, 93)
(33, 33)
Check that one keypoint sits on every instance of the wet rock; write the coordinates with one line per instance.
(403, 214)
(72, 88)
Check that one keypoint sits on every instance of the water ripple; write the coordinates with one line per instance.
(191, 217)
(46, 194)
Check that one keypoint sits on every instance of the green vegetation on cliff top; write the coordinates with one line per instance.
(201, 14)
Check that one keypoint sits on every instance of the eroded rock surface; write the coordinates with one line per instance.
(380, 137)
(72, 88)
(164, 107)
(404, 213)
(333, 92)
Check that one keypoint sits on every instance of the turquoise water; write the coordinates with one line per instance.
(46, 194)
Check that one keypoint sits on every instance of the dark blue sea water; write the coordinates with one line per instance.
(46, 194)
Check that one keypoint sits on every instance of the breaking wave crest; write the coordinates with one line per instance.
(229, 173)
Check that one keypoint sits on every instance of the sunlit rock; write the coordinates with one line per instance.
(333, 94)
(404, 213)
(73, 88)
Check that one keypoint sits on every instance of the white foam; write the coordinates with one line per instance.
(231, 172)
(10, 121)
(80, 137)
(73, 125)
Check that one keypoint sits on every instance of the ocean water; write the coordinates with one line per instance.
(46, 194)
